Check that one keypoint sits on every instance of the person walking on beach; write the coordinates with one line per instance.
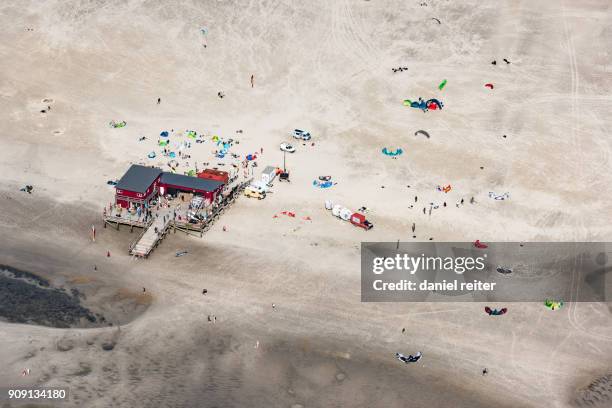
(252, 81)
(158, 101)
(485, 371)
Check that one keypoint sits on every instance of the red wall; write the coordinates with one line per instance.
(132, 194)
(210, 195)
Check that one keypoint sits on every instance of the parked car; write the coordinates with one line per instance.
(254, 194)
(286, 147)
(301, 134)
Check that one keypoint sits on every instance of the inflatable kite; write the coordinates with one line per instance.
(494, 196)
(424, 133)
(504, 271)
(388, 152)
(116, 125)
(325, 184)
(439, 22)
(553, 304)
(151, 155)
(495, 312)
(172, 155)
(444, 189)
(192, 134)
(490, 86)
(164, 133)
(434, 104)
(410, 358)
(442, 85)
(480, 245)
(163, 142)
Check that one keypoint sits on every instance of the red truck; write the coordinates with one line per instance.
(359, 220)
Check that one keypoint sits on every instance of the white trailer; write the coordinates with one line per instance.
(268, 174)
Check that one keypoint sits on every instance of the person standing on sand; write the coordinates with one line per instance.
(158, 101)
(252, 81)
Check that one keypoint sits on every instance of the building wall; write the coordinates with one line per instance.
(209, 195)
(122, 197)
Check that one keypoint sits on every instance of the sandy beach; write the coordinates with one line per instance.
(541, 135)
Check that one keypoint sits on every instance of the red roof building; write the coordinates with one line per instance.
(218, 175)
(140, 184)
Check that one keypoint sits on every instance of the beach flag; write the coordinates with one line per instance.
(93, 233)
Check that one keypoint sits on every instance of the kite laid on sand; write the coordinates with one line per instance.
(553, 304)
(480, 245)
(409, 358)
(388, 152)
(424, 105)
(422, 132)
(495, 312)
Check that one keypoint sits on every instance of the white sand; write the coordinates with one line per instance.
(325, 67)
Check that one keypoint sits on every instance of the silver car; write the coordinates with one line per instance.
(301, 134)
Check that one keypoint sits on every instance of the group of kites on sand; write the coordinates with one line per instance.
(435, 104)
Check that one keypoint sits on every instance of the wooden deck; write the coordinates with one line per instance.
(155, 230)
(115, 222)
